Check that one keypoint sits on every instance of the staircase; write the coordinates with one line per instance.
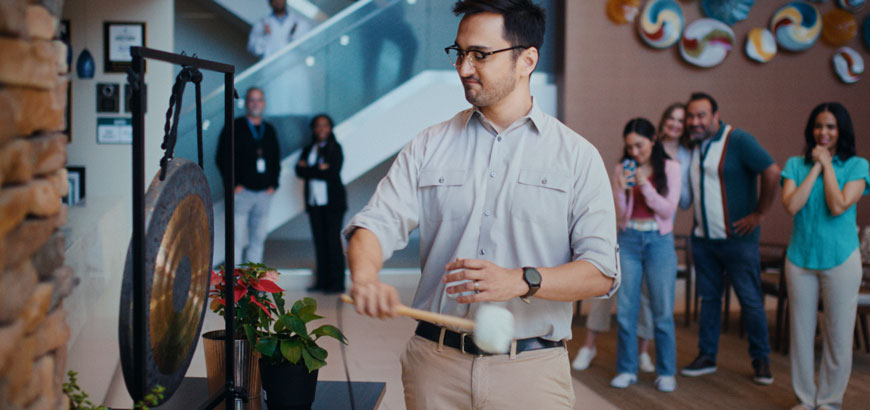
(376, 67)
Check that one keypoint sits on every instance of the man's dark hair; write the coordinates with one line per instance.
(698, 96)
(524, 21)
(845, 131)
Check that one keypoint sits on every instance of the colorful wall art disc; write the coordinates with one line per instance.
(867, 32)
(848, 65)
(706, 42)
(760, 45)
(727, 11)
(852, 5)
(661, 23)
(796, 26)
(622, 11)
(838, 27)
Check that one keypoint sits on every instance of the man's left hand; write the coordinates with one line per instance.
(489, 282)
(747, 224)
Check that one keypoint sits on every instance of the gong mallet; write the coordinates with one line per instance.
(493, 327)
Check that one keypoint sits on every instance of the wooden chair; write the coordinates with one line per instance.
(686, 271)
(861, 327)
(773, 284)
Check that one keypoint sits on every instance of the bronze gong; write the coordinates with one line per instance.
(179, 234)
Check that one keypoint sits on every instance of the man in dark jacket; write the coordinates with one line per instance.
(257, 166)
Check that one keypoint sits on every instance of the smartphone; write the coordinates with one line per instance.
(629, 167)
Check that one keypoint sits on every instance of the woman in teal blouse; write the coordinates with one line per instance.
(820, 190)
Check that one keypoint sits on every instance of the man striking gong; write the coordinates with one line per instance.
(514, 209)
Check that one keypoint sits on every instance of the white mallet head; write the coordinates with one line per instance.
(493, 329)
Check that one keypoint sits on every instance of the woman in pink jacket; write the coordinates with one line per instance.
(646, 189)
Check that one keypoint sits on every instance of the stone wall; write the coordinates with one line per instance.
(33, 280)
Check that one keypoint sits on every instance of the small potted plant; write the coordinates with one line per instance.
(253, 286)
(290, 357)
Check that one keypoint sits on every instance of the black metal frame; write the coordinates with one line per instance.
(228, 393)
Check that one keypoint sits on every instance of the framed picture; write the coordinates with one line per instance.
(76, 179)
(118, 37)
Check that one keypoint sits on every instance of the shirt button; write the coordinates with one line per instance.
(487, 212)
(492, 174)
(498, 139)
(483, 251)
(544, 181)
(441, 180)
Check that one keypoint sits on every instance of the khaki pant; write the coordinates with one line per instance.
(838, 289)
(443, 378)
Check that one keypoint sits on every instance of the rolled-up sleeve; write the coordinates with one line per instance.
(593, 218)
(393, 211)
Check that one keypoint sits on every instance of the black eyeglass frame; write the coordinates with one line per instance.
(482, 54)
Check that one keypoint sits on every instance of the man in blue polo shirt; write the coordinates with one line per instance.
(726, 163)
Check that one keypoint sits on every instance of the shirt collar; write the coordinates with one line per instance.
(721, 131)
(281, 18)
(535, 116)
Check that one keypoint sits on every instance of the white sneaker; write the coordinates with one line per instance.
(645, 363)
(623, 380)
(584, 357)
(666, 384)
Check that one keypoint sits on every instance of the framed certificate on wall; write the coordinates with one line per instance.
(118, 37)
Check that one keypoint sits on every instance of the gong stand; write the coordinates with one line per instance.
(190, 73)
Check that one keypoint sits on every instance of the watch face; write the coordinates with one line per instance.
(532, 277)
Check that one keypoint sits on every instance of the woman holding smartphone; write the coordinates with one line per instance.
(820, 190)
(646, 190)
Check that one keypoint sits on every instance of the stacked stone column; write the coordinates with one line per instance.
(33, 280)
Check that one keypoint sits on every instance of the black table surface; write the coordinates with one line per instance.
(330, 395)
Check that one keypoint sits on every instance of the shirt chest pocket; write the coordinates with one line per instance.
(444, 194)
(541, 196)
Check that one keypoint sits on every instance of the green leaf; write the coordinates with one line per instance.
(279, 326)
(250, 333)
(295, 324)
(331, 331)
(317, 352)
(311, 362)
(291, 350)
(267, 346)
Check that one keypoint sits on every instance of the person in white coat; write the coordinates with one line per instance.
(272, 34)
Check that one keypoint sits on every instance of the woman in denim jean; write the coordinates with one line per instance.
(820, 189)
(646, 189)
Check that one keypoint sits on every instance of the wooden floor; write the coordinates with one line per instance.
(731, 387)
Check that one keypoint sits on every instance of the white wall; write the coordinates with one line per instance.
(108, 167)
(98, 230)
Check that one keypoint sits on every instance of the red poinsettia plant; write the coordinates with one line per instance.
(254, 284)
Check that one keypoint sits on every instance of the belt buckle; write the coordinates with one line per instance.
(462, 337)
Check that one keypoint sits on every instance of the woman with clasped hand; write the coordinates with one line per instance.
(820, 189)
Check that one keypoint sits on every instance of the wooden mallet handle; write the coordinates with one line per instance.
(432, 317)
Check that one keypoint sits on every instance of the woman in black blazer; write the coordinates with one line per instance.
(325, 201)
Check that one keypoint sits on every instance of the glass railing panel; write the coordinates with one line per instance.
(340, 67)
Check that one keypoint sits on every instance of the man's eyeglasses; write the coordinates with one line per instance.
(478, 57)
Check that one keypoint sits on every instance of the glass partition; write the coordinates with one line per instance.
(339, 68)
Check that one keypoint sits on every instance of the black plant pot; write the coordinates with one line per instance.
(288, 386)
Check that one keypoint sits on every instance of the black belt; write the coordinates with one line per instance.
(465, 344)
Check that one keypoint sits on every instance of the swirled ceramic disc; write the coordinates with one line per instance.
(838, 27)
(727, 11)
(760, 45)
(796, 26)
(661, 23)
(852, 5)
(706, 42)
(848, 65)
(622, 11)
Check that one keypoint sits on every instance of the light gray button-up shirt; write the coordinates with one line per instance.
(536, 194)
